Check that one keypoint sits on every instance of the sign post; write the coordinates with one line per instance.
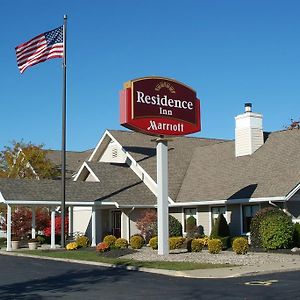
(162, 196)
(161, 107)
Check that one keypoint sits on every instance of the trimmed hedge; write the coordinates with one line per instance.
(197, 245)
(153, 243)
(240, 245)
(214, 246)
(121, 243)
(175, 227)
(297, 234)
(276, 231)
(176, 242)
(260, 215)
(220, 228)
(136, 242)
(110, 240)
(191, 226)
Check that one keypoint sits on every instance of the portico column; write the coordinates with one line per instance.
(124, 226)
(33, 222)
(8, 228)
(93, 226)
(71, 227)
(52, 228)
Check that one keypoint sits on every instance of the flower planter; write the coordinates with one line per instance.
(15, 245)
(32, 245)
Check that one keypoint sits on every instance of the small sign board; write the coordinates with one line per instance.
(159, 106)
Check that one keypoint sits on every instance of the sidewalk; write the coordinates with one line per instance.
(200, 273)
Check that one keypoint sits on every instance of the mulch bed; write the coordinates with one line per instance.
(115, 253)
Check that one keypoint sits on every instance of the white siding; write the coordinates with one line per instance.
(81, 219)
(113, 154)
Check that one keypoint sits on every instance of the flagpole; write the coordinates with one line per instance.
(63, 144)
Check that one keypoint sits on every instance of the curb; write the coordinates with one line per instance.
(158, 271)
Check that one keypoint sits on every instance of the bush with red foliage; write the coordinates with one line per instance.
(47, 230)
(147, 224)
(21, 221)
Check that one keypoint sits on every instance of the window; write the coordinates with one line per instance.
(248, 213)
(187, 213)
(216, 211)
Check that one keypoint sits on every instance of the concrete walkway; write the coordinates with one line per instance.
(228, 272)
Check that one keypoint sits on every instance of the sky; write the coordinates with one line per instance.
(230, 52)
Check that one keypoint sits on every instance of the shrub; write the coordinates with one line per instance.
(225, 241)
(110, 240)
(154, 243)
(214, 246)
(136, 242)
(220, 227)
(205, 240)
(21, 221)
(121, 243)
(175, 227)
(147, 224)
(140, 235)
(72, 246)
(102, 247)
(197, 245)
(175, 242)
(235, 237)
(276, 231)
(58, 223)
(82, 241)
(297, 234)
(41, 239)
(191, 226)
(240, 245)
(256, 221)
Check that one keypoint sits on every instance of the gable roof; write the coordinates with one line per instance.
(199, 170)
(180, 152)
(107, 191)
(272, 171)
(73, 159)
(120, 184)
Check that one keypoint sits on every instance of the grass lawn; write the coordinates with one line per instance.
(89, 255)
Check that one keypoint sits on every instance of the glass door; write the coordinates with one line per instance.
(116, 218)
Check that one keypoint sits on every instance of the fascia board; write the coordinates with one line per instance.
(106, 134)
(2, 200)
(48, 202)
(293, 192)
(228, 202)
(136, 164)
(85, 165)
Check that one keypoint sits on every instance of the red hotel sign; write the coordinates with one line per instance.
(159, 106)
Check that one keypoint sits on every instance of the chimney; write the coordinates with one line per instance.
(248, 132)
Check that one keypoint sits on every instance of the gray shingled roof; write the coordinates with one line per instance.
(120, 184)
(117, 184)
(199, 170)
(73, 159)
(143, 149)
(47, 190)
(216, 174)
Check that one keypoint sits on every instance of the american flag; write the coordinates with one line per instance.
(42, 47)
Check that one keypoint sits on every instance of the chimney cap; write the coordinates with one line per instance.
(248, 107)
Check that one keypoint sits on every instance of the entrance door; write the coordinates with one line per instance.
(116, 218)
